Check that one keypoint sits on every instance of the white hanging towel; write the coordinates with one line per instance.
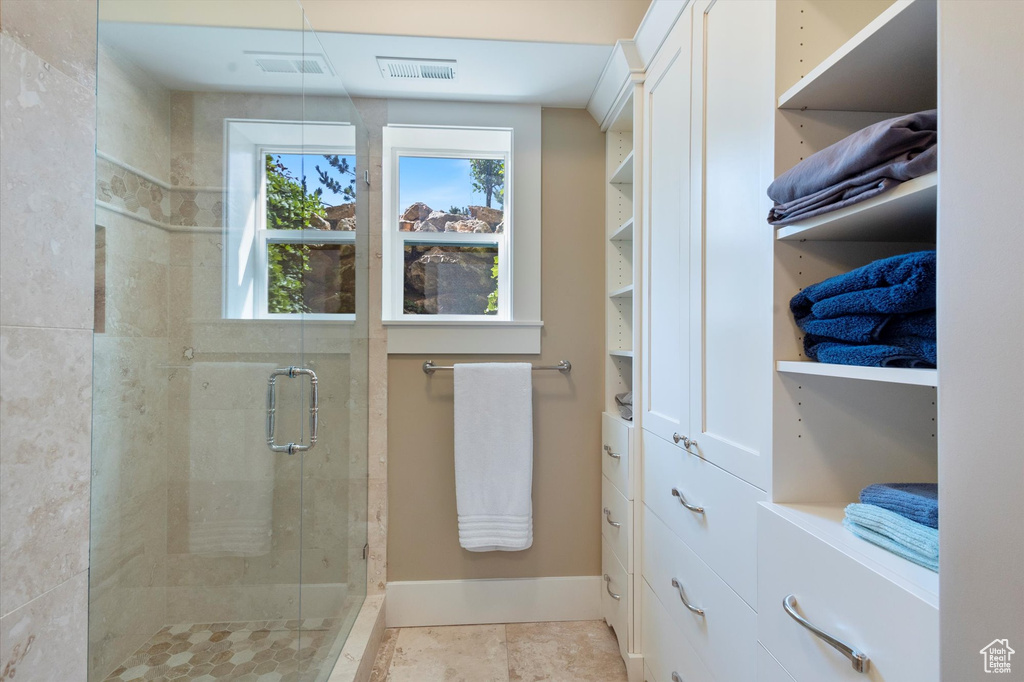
(494, 456)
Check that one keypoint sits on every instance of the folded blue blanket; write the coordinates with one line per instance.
(909, 351)
(865, 164)
(918, 502)
(871, 328)
(901, 284)
(892, 532)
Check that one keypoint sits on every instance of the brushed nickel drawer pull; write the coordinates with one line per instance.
(682, 500)
(608, 587)
(682, 597)
(608, 518)
(857, 658)
(687, 442)
(613, 455)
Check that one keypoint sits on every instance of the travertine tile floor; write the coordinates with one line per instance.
(254, 651)
(584, 651)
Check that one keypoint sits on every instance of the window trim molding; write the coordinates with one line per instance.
(244, 286)
(521, 333)
(435, 142)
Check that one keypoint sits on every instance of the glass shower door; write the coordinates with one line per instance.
(225, 541)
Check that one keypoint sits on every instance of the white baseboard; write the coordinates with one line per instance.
(475, 602)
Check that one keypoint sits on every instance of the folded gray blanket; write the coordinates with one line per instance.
(865, 164)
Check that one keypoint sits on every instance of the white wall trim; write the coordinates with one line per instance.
(473, 602)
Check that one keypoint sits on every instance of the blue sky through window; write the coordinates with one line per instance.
(439, 183)
(300, 165)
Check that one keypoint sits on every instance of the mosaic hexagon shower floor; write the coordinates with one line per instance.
(253, 651)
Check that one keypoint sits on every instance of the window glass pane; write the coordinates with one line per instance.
(311, 192)
(311, 278)
(451, 280)
(451, 195)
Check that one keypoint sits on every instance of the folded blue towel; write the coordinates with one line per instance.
(909, 351)
(918, 502)
(871, 328)
(901, 284)
(892, 532)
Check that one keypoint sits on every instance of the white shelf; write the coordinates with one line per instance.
(903, 214)
(624, 232)
(890, 65)
(628, 423)
(623, 175)
(825, 522)
(624, 292)
(892, 375)
(621, 353)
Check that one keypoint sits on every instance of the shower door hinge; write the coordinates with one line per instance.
(366, 551)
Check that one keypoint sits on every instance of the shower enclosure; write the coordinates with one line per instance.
(230, 391)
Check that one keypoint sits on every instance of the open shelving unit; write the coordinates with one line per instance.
(903, 214)
(839, 428)
(895, 375)
(621, 250)
(623, 173)
(890, 65)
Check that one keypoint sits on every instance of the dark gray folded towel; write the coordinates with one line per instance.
(863, 165)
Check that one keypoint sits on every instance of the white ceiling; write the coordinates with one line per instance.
(214, 58)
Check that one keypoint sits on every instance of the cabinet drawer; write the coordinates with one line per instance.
(768, 669)
(616, 611)
(896, 629)
(620, 511)
(666, 650)
(616, 453)
(725, 636)
(724, 536)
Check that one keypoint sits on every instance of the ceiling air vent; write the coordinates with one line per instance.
(417, 69)
(277, 62)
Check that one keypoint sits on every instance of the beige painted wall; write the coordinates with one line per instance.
(422, 534)
(599, 22)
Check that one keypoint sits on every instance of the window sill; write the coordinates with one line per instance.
(465, 337)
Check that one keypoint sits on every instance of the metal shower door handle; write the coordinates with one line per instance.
(314, 409)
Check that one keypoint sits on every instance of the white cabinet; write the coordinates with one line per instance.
(889, 615)
(730, 268)
(665, 316)
(707, 312)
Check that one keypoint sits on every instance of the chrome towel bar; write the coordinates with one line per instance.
(563, 366)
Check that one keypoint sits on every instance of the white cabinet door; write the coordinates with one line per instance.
(730, 264)
(666, 243)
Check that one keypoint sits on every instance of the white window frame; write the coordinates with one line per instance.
(444, 142)
(246, 141)
(265, 237)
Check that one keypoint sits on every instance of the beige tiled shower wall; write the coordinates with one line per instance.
(131, 427)
(47, 123)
